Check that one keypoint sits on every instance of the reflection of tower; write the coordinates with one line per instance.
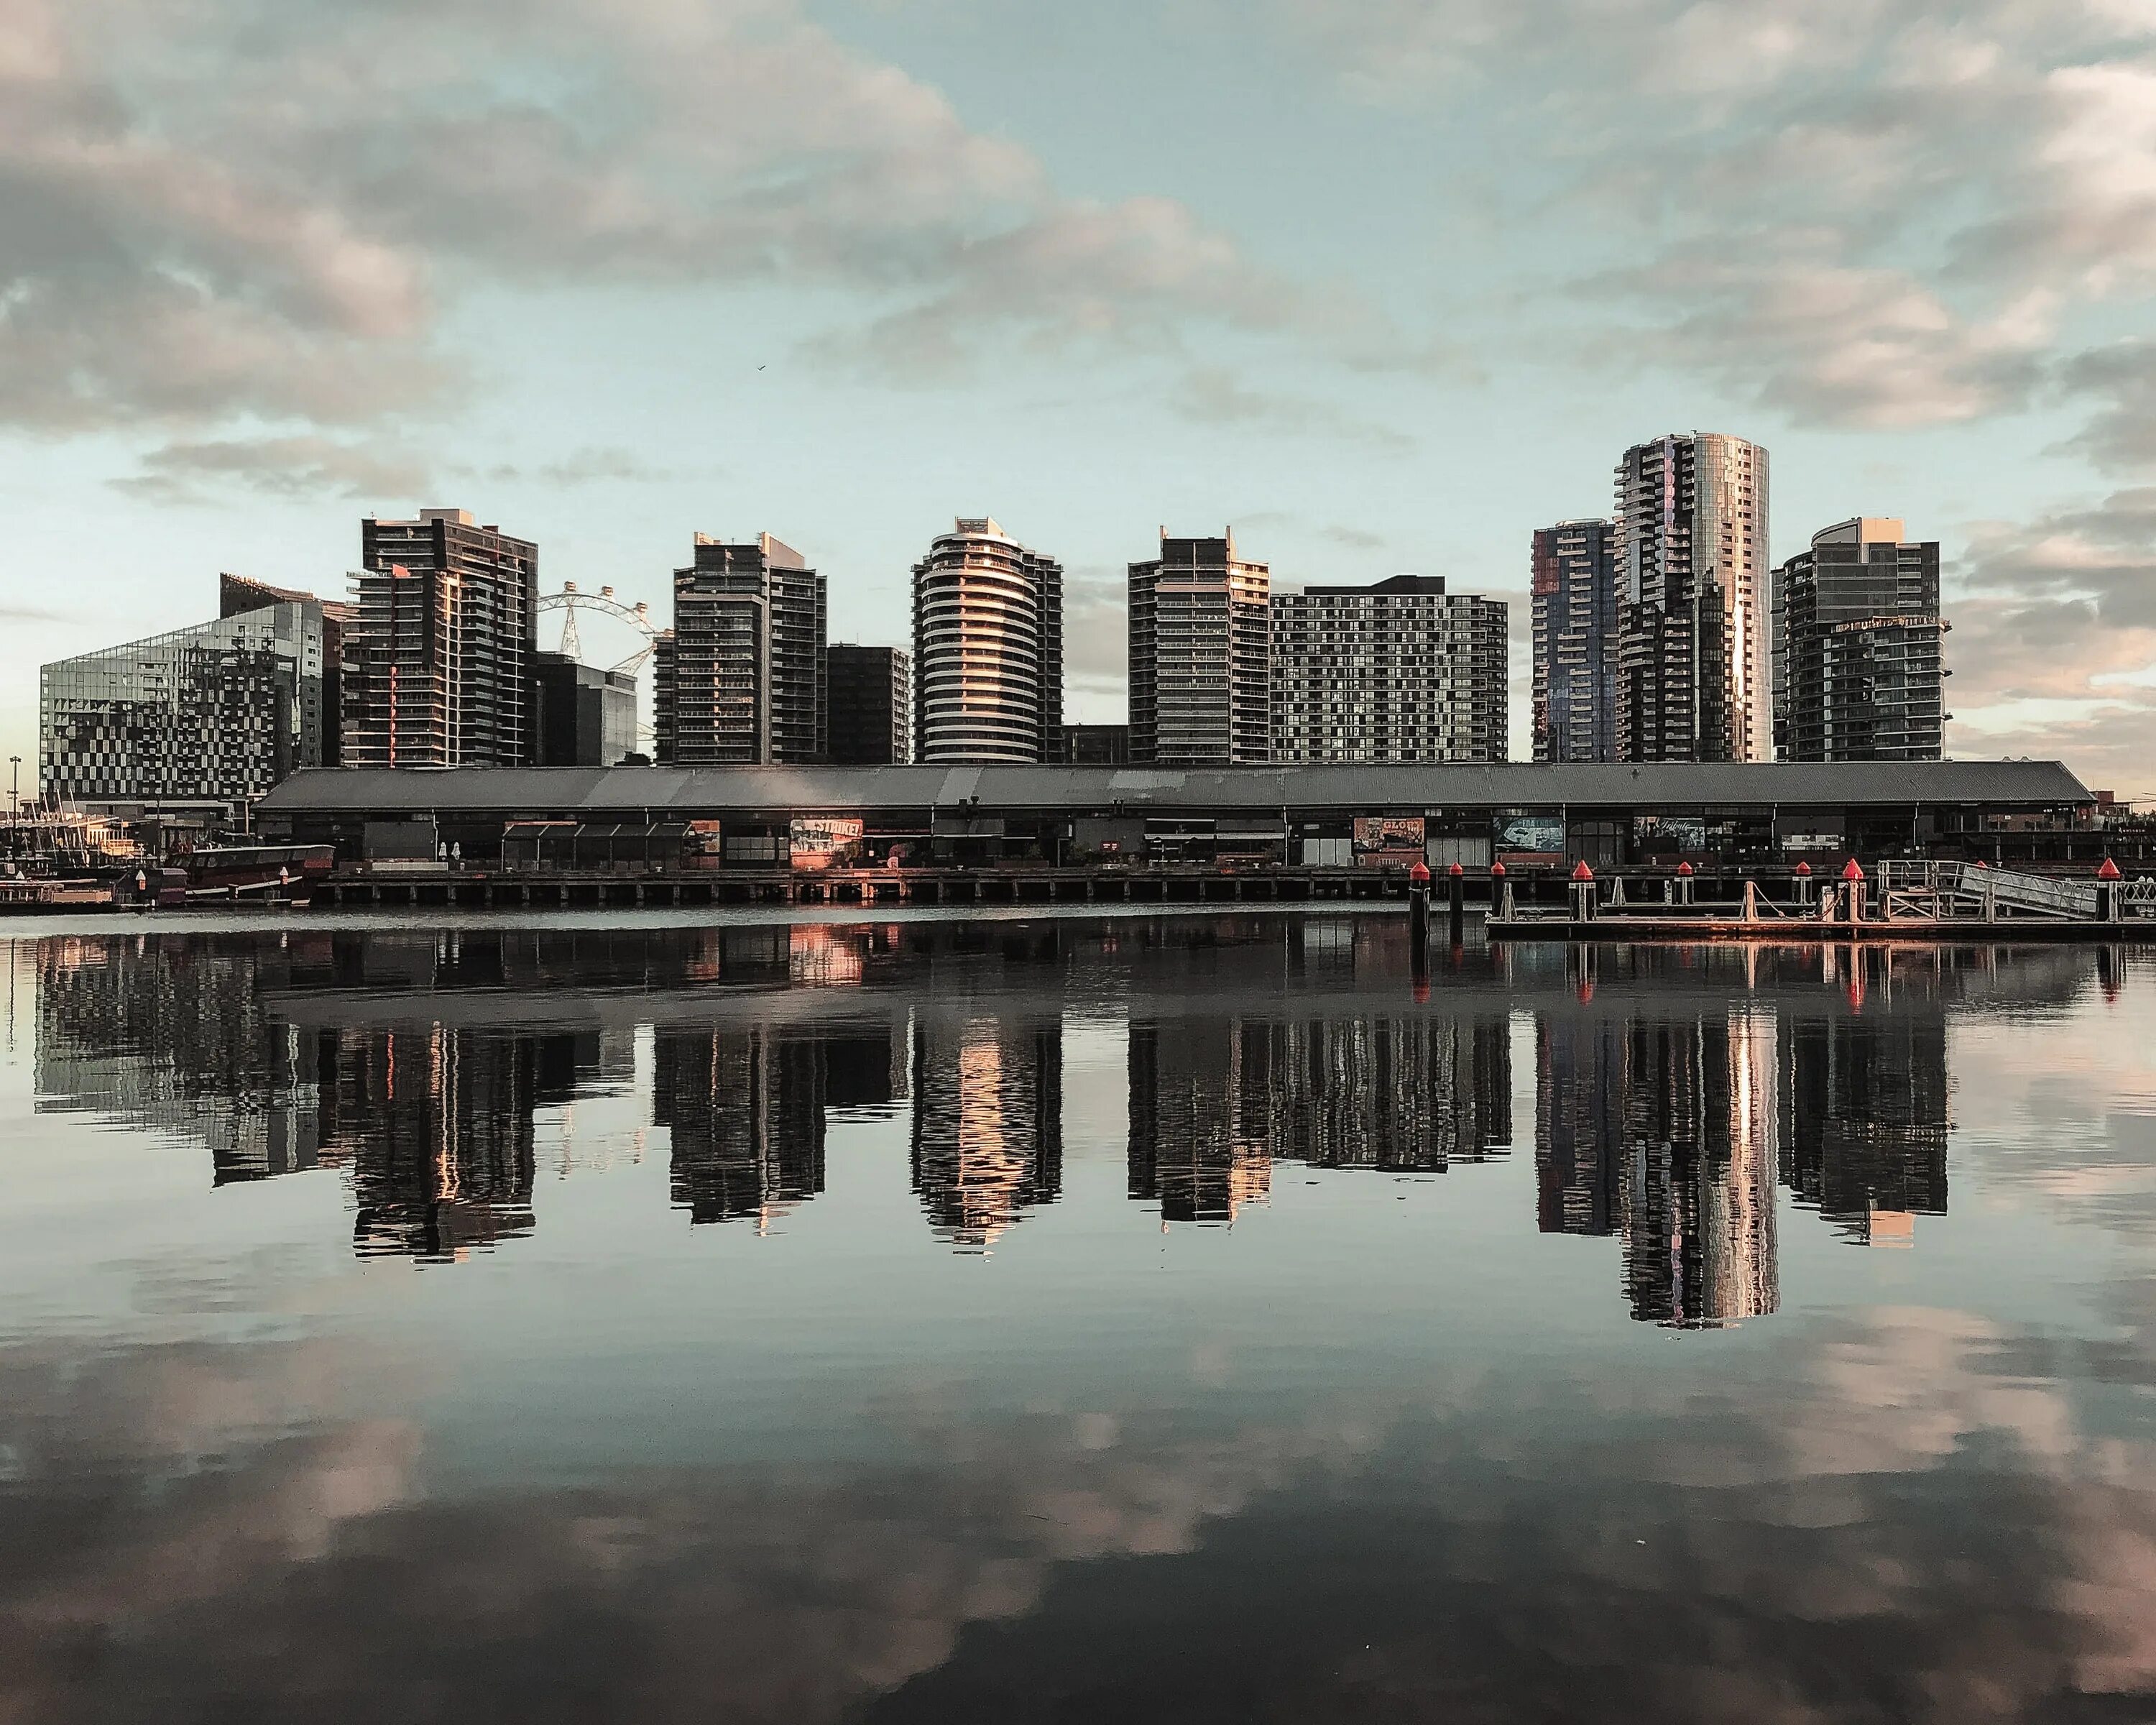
(1865, 1109)
(1200, 1101)
(1400, 1094)
(746, 1109)
(1698, 1194)
(988, 1123)
(436, 1125)
(1579, 1124)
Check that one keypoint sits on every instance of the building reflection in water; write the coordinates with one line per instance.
(1201, 1116)
(1665, 1133)
(987, 1122)
(745, 1107)
(1865, 1118)
(1215, 1100)
(1674, 1090)
(435, 1125)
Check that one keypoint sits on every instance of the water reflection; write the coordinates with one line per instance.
(1674, 1090)
(642, 1467)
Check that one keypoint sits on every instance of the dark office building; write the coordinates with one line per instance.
(583, 716)
(1097, 745)
(741, 680)
(1575, 641)
(1859, 647)
(871, 705)
(439, 646)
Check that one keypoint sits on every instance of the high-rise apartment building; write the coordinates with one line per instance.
(1575, 641)
(871, 698)
(740, 683)
(1859, 647)
(216, 713)
(1694, 670)
(439, 646)
(988, 649)
(1200, 665)
(1401, 671)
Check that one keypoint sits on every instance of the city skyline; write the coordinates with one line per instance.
(596, 342)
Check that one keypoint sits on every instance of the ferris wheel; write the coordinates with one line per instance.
(622, 638)
(616, 626)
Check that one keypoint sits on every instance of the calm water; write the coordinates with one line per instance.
(1157, 1318)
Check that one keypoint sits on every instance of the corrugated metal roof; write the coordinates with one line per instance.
(714, 792)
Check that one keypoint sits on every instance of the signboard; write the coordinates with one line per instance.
(1388, 841)
(1539, 832)
(821, 842)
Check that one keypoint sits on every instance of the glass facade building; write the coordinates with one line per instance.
(1695, 668)
(1401, 671)
(1860, 647)
(1575, 641)
(871, 693)
(216, 713)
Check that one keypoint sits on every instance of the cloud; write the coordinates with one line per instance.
(1213, 395)
(261, 207)
(1862, 212)
(300, 465)
(2122, 436)
(2054, 642)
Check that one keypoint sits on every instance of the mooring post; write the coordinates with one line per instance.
(1456, 881)
(1583, 892)
(1751, 902)
(1419, 910)
(1684, 884)
(1852, 880)
(1804, 886)
(2107, 885)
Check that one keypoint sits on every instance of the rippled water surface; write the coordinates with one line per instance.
(1163, 1319)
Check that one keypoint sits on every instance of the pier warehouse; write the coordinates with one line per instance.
(665, 820)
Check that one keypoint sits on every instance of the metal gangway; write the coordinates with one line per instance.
(1938, 890)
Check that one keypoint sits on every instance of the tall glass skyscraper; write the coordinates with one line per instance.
(988, 649)
(1695, 666)
(1575, 648)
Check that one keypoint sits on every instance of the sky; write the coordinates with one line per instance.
(1383, 284)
